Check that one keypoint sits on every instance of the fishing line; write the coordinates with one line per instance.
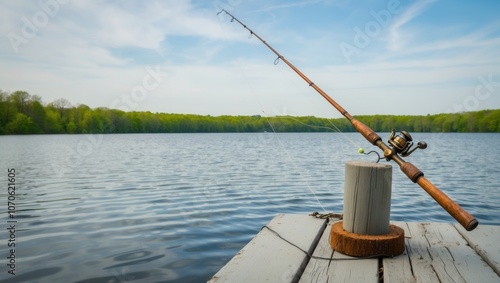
(360, 149)
(311, 256)
(295, 166)
(305, 124)
(297, 87)
(293, 162)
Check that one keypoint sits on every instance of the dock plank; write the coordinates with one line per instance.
(437, 249)
(453, 254)
(317, 268)
(485, 240)
(398, 269)
(418, 251)
(350, 269)
(341, 268)
(268, 258)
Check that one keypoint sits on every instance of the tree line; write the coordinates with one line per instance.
(22, 113)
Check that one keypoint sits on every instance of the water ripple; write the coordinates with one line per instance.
(164, 208)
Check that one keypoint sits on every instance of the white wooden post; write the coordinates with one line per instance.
(367, 197)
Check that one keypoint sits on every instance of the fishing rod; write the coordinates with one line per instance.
(400, 145)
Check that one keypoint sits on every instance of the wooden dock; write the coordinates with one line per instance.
(295, 248)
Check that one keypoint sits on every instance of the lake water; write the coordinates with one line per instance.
(177, 207)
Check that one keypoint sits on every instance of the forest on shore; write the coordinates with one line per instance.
(22, 113)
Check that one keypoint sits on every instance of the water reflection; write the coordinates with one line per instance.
(129, 277)
(33, 276)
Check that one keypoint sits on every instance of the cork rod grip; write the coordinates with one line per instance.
(455, 210)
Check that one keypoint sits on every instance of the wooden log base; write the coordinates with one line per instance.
(391, 244)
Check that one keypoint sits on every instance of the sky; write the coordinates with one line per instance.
(178, 56)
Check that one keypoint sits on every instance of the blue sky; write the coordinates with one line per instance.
(372, 57)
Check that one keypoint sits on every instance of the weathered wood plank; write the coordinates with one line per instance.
(438, 251)
(458, 254)
(268, 258)
(341, 268)
(398, 269)
(403, 225)
(317, 269)
(418, 250)
(344, 268)
(485, 240)
(442, 238)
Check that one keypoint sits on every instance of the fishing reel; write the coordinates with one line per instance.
(403, 142)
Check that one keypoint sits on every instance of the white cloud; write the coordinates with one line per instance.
(481, 37)
(397, 39)
(288, 5)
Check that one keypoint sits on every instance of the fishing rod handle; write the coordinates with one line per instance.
(455, 210)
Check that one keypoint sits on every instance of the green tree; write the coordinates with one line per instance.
(20, 99)
(61, 105)
(22, 124)
(37, 114)
(53, 122)
(7, 110)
